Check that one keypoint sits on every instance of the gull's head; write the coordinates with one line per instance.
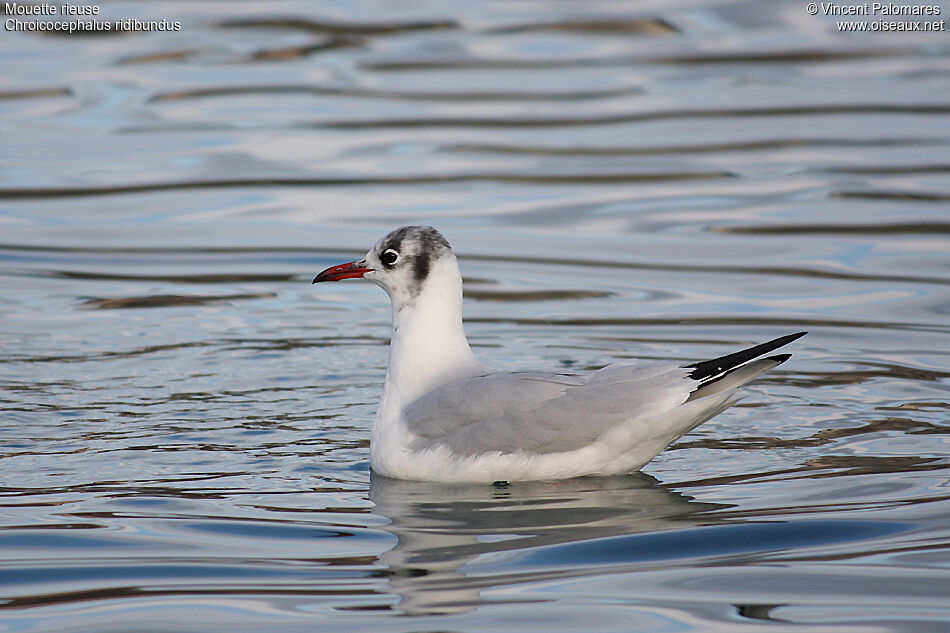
(401, 263)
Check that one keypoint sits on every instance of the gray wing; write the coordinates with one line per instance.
(539, 412)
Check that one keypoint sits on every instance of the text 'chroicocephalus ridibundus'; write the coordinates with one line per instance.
(444, 416)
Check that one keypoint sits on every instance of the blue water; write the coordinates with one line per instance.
(184, 419)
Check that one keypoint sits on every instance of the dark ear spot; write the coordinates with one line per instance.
(421, 266)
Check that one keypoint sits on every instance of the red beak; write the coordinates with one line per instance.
(343, 271)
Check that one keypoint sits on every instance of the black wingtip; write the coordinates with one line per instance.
(779, 359)
(784, 340)
(718, 367)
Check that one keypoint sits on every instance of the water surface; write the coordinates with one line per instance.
(185, 420)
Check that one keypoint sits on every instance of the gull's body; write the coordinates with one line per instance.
(444, 416)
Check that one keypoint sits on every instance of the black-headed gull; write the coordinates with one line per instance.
(444, 416)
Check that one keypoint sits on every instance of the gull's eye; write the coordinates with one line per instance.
(389, 257)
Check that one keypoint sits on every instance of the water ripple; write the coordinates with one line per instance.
(185, 421)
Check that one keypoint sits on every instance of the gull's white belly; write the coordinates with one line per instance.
(624, 449)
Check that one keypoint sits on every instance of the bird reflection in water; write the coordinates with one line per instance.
(455, 540)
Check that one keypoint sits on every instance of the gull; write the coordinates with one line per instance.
(445, 416)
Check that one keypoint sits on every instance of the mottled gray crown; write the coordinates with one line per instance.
(421, 245)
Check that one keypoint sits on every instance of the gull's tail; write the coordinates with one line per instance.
(733, 370)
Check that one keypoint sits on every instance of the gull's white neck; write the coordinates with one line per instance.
(428, 345)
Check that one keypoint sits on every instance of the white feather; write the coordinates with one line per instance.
(444, 416)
